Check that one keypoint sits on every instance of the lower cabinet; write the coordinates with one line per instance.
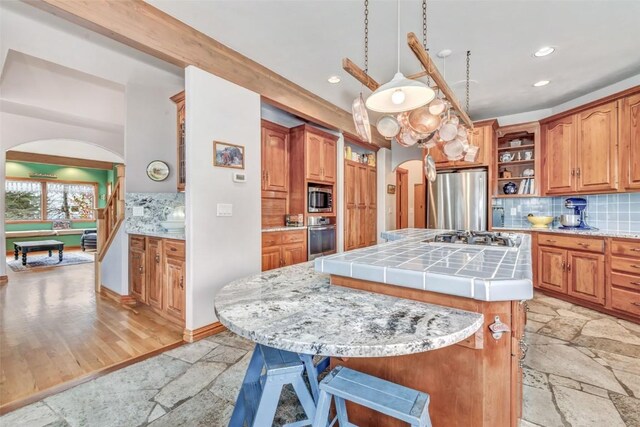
(624, 283)
(157, 275)
(283, 248)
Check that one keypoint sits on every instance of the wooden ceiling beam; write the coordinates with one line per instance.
(418, 50)
(358, 73)
(150, 30)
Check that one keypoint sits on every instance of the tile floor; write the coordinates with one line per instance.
(582, 370)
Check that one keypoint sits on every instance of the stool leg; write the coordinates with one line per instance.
(307, 402)
(268, 403)
(312, 374)
(322, 412)
(252, 375)
(341, 411)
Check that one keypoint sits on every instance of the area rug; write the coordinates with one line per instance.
(40, 261)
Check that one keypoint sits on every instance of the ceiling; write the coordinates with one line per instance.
(305, 41)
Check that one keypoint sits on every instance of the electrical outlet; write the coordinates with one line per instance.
(224, 209)
(138, 211)
(514, 211)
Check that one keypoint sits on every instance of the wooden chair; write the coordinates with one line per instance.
(392, 399)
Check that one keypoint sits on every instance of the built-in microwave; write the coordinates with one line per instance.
(320, 199)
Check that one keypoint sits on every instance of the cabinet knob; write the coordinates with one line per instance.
(564, 265)
(551, 241)
(573, 172)
(635, 249)
(584, 245)
(140, 269)
(578, 172)
(157, 259)
(635, 283)
(635, 265)
(636, 303)
(181, 284)
(568, 267)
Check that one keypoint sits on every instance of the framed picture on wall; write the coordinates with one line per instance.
(391, 189)
(228, 155)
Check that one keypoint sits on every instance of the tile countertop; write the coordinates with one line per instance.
(483, 273)
(595, 233)
(272, 229)
(296, 309)
(159, 233)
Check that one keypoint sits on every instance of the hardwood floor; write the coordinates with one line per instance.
(53, 330)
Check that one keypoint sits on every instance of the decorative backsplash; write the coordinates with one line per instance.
(608, 212)
(154, 205)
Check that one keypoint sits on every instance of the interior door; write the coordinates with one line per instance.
(402, 198)
(597, 168)
(551, 268)
(630, 142)
(586, 276)
(559, 157)
(154, 273)
(275, 155)
(420, 214)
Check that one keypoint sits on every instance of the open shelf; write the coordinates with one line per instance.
(515, 177)
(520, 147)
(513, 196)
(517, 162)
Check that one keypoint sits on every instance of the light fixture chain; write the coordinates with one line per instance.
(366, 36)
(424, 32)
(468, 64)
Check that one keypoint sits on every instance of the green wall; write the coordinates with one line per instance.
(63, 173)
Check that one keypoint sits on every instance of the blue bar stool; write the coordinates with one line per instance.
(269, 370)
(392, 399)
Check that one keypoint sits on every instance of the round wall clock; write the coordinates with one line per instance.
(158, 170)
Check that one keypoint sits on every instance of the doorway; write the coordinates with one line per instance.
(402, 198)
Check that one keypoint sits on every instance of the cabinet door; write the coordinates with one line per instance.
(137, 282)
(174, 282)
(275, 158)
(155, 283)
(329, 161)
(271, 258)
(314, 153)
(478, 137)
(551, 269)
(559, 157)
(586, 276)
(372, 234)
(350, 206)
(596, 168)
(629, 148)
(294, 253)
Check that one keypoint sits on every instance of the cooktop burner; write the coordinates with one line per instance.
(485, 238)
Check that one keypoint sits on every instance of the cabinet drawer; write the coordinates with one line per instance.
(630, 248)
(271, 239)
(174, 249)
(629, 265)
(137, 243)
(625, 281)
(293, 236)
(571, 242)
(625, 300)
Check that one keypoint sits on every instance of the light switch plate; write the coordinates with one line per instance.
(138, 211)
(514, 211)
(224, 209)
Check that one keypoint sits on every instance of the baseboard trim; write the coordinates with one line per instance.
(203, 332)
(4, 280)
(116, 297)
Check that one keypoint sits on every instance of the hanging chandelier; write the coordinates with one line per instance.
(413, 114)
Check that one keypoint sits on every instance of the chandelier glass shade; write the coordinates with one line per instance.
(400, 94)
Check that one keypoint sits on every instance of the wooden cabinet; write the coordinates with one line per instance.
(596, 149)
(482, 136)
(629, 146)
(157, 275)
(320, 158)
(581, 152)
(360, 205)
(137, 269)
(329, 160)
(624, 277)
(275, 157)
(551, 267)
(283, 248)
(586, 276)
(180, 159)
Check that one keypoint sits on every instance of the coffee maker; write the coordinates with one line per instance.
(577, 220)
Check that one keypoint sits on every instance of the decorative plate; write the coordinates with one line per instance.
(158, 170)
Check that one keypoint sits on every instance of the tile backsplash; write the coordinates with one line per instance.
(608, 212)
(154, 205)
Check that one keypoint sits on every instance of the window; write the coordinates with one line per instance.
(23, 200)
(70, 201)
(33, 200)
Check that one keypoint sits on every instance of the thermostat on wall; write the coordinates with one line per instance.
(239, 177)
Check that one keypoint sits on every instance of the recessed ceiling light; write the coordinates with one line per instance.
(544, 51)
(541, 83)
(334, 79)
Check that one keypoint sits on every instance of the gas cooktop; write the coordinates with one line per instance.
(485, 238)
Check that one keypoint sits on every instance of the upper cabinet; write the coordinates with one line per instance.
(482, 136)
(629, 120)
(320, 156)
(275, 157)
(581, 151)
(180, 160)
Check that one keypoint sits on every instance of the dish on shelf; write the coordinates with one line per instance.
(528, 173)
(515, 143)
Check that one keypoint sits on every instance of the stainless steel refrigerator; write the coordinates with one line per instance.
(457, 200)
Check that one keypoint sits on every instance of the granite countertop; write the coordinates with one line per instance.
(596, 233)
(296, 308)
(272, 229)
(159, 233)
(485, 273)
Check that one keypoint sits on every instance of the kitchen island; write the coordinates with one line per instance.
(477, 382)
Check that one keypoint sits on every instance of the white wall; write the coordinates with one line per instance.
(115, 271)
(386, 202)
(219, 249)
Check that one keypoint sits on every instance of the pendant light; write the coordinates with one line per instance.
(400, 94)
